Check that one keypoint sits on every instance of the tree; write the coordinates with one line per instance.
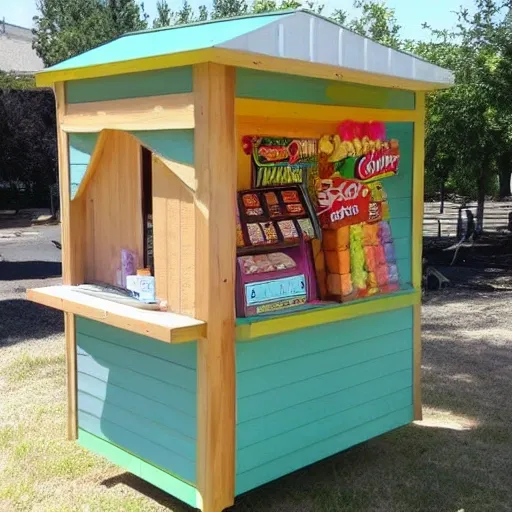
(228, 8)
(377, 21)
(65, 28)
(164, 15)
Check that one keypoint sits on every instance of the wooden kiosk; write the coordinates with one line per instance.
(202, 403)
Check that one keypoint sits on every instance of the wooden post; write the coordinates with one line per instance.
(72, 253)
(417, 243)
(215, 163)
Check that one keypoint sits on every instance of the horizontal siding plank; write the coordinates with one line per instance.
(276, 375)
(401, 228)
(295, 344)
(325, 428)
(274, 400)
(138, 404)
(400, 207)
(133, 85)
(139, 446)
(308, 413)
(155, 367)
(301, 458)
(184, 354)
(108, 413)
(404, 271)
(158, 477)
(163, 392)
(402, 248)
(282, 87)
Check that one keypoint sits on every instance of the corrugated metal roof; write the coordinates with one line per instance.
(298, 35)
(165, 41)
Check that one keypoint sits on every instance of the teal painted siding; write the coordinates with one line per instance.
(176, 145)
(81, 148)
(133, 85)
(305, 395)
(399, 190)
(138, 394)
(299, 89)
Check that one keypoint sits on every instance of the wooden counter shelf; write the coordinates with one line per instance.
(163, 326)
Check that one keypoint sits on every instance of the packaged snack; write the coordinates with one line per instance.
(372, 280)
(381, 273)
(339, 284)
(263, 263)
(389, 250)
(380, 255)
(275, 210)
(269, 231)
(384, 232)
(338, 262)
(288, 230)
(248, 265)
(239, 236)
(393, 274)
(271, 198)
(251, 200)
(307, 229)
(295, 209)
(255, 234)
(281, 261)
(357, 260)
(290, 196)
(254, 212)
(334, 239)
(370, 234)
(369, 256)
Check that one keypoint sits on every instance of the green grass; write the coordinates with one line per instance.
(458, 459)
(27, 367)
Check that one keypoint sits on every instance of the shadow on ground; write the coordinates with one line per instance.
(21, 320)
(22, 270)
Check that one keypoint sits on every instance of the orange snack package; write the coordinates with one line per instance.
(338, 262)
(369, 256)
(370, 234)
(334, 239)
(339, 284)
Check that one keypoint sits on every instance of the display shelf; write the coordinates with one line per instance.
(316, 314)
(163, 326)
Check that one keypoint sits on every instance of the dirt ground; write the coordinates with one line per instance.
(459, 458)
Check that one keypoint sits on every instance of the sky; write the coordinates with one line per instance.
(411, 14)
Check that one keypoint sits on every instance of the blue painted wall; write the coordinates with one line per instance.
(399, 190)
(81, 148)
(263, 85)
(133, 85)
(305, 395)
(139, 394)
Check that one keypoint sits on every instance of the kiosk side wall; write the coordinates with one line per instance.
(308, 394)
(138, 395)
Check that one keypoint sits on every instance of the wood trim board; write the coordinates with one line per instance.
(166, 112)
(215, 162)
(163, 326)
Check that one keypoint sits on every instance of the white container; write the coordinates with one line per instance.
(143, 287)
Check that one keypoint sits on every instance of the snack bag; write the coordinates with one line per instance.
(357, 259)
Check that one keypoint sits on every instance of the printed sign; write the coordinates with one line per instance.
(342, 202)
(377, 164)
(267, 291)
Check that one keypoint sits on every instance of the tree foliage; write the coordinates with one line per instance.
(65, 28)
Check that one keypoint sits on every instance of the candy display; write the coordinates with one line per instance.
(338, 176)
(280, 215)
(272, 282)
